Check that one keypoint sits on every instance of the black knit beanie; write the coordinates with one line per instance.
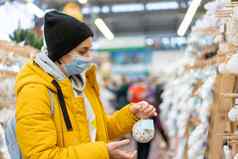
(63, 33)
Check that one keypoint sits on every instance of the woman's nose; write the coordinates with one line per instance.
(89, 54)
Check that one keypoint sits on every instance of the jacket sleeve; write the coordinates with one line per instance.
(120, 123)
(36, 132)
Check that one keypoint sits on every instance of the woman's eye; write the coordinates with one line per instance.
(82, 52)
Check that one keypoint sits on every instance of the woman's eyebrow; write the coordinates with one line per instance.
(85, 48)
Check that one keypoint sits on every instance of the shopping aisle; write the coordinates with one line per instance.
(167, 69)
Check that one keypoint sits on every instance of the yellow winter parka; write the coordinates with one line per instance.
(43, 135)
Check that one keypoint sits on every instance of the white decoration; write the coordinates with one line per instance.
(231, 66)
(233, 114)
(181, 149)
(143, 131)
(236, 156)
(218, 39)
(227, 152)
(222, 68)
(3, 147)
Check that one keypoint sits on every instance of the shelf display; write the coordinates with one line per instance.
(12, 58)
(198, 99)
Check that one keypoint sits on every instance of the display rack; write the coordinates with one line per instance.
(7, 74)
(11, 53)
(201, 63)
(220, 127)
(219, 123)
(25, 51)
(194, 122)
(18, 51)
(225, 88)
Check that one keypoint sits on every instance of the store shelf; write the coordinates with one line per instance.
(7, 74)
(25, 51)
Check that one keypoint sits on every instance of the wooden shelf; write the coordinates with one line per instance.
(208, 31)
(201, 63)
(7, 74)
(5, 104)
(230, 95)
(25, 51)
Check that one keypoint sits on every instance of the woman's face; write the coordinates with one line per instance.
(83, 49)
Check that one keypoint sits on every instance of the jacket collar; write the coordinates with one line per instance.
(66, 84)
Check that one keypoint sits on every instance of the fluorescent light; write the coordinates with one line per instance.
(35, 10)
(86, 10)
(104, 29)
(83, 1)
(131, 7)
(162, 5)
(188, 17)
(127, 8)
(105, 9)
(95, 9)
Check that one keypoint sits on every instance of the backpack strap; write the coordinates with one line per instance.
(63, 105)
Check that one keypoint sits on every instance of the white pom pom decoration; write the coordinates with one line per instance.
(233, 114)
(143, 131)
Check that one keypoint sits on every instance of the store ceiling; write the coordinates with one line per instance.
(143, 22)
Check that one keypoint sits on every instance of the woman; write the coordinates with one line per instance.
(78, 128)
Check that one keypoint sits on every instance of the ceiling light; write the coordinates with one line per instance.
(188, 17)
(162, 5)
(105, 9)
(104, 29)
(83, 1)
(86, 10)
(89, 10)
(95, 9)
(127, 8)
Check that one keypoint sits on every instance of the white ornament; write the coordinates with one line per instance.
(233, 114)
(232, 65)
(236, 156)
(227, 152)
(218, 39)
(143, 131)
(222, 68)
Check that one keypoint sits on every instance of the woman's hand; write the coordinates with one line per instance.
(143, 110)
(115, 151)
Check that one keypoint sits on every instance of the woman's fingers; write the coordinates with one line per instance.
(118, 144)
(115, 151)
(126, 155)
(149, 111)
(133, 156)
(143, 110)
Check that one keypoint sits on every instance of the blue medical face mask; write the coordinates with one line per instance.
(77, 66)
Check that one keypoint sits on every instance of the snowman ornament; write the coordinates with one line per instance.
(143, 131)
